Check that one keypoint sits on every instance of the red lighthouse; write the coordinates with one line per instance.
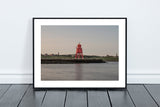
(79, 52)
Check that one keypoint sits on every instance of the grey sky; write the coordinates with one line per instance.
(95, 40)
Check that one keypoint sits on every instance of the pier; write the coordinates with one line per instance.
(71, 61)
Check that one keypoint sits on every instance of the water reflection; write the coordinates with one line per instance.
(105, 71)
(78, 71)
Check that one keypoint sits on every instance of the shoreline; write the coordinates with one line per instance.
(71, 61)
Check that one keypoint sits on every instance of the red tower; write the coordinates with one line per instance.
(79, 52)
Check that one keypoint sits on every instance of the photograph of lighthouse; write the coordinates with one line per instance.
(79, 52)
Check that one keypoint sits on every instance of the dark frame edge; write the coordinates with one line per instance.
(33, 50)
(126, 53)
(110, 88)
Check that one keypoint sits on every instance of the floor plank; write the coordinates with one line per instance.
(55, 98)
(13, 96)
(25, 96)
(120, 98)
(32, 98)
(154, 90)
(76, 99)
(3, 89)
(98, 99)
(140, 96)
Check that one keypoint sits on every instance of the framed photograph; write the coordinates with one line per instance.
(79, 52)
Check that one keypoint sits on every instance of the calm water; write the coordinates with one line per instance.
(98, 71)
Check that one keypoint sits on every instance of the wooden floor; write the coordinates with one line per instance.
(134, 96)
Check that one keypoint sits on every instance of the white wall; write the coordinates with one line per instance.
(16, 33)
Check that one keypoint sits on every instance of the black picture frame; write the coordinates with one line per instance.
(48, 18)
